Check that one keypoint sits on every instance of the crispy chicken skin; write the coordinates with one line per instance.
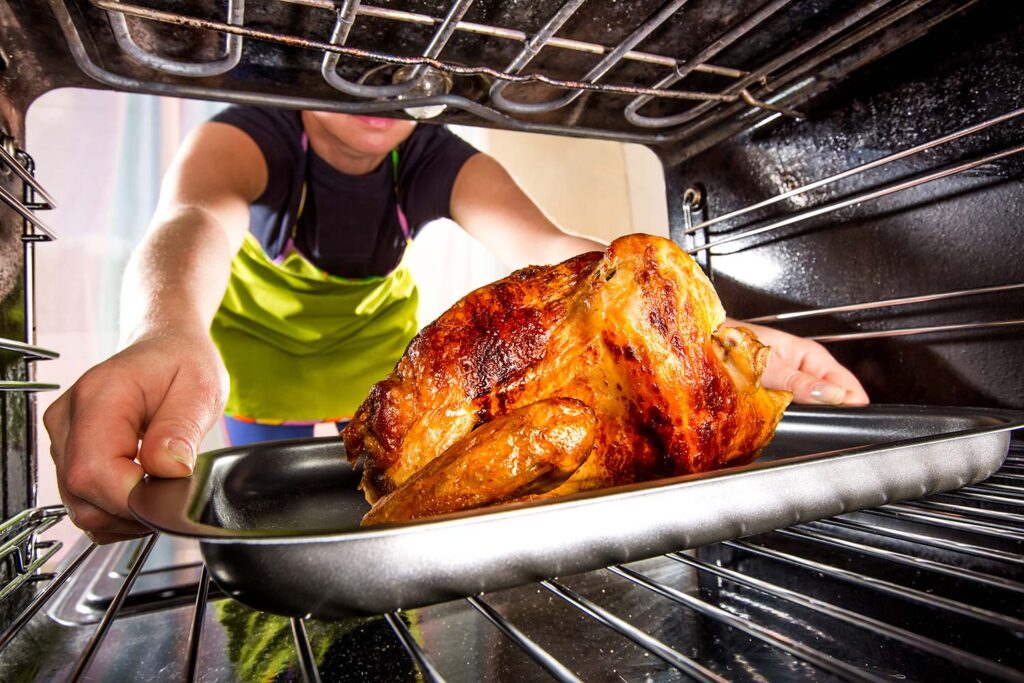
(527, 451)
(633, 334)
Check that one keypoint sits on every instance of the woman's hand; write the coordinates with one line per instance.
(805, 368)
(166, 390)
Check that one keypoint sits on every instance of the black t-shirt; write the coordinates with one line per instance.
(349, 225)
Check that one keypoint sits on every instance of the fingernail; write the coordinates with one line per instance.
(826, 392)
(181, 451)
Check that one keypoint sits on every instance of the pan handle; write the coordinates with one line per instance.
(164, 505)
(176, 506)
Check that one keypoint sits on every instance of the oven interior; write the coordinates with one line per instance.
(848, 171)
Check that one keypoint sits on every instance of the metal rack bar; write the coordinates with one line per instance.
(232, 47)
(518, 36)
(909, 331)
(990, 487)
(196, 630)
(592, 76)
(681, 71)
(339, 36)
(29, 516)
(928, 645)
(857, 170)
(946, 520)
(408, 641)
(37, 603)
(884, 303)
(19, 207)
(762, 72)
(884, 587)
(27, 386)
(1011, 520)
(983, 496)
(956, 572)
(447, 27)
(798, 78)
(940, 543)
(30, 352)
(26, 177)
(558, 671)
(304, 652)
(535, 44)
(797, 649)
(26, 572)
(653, 645)
(859, 198)
(387, 58)
(24, 527)
(543, 37)
(108, 617)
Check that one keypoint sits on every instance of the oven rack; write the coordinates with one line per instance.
(978, 529)
(698, 240)
(34, 197)
(740, 99)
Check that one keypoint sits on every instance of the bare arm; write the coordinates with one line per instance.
(177, 276)
(489, 205)
(167, 385)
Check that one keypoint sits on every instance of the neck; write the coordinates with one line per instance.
(337, 154)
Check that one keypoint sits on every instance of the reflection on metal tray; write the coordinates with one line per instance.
(279, 522)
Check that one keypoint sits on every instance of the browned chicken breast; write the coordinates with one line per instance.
(633, 335)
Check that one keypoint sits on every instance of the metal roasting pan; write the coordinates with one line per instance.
(278, 523)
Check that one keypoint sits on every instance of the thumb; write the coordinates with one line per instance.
(172, 438)
(807, 388)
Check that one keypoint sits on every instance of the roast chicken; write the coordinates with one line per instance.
(607, 369)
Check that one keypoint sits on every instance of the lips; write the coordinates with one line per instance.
(375, 121)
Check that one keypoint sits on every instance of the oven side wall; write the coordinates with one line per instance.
(957, 233)
(17, 456)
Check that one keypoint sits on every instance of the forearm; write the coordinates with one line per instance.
(489, 205)
(177, 276)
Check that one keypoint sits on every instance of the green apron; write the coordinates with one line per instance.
(303, 346)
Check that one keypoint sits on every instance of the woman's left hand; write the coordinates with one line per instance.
(805, 368)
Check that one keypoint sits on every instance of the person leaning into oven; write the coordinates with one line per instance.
(275, 259)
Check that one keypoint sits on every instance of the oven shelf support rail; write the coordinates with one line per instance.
(718, 239)
(35, 196)
(863, 168)
(894, 303)
(860, 198)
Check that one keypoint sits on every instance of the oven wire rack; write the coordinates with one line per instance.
(34, 197)
(925, 526)
(772, 87)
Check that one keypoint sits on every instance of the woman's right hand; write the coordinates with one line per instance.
(143, 411)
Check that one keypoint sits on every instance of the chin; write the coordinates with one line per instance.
(366, 134)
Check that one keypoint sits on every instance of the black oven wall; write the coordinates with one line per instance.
(956, 233)
(17, 460)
